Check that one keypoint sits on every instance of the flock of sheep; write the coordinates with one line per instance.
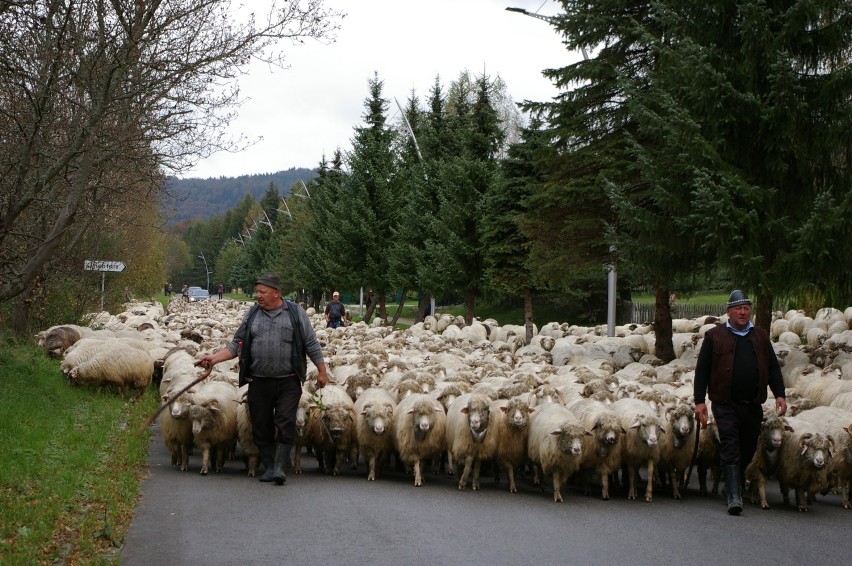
(442, 396)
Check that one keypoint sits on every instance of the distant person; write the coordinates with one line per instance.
(166, 289)
(221, 290)
(735, 366)
(368, 300)
(334, 312)
(184, 292)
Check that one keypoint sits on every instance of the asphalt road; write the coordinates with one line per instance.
(228, 518)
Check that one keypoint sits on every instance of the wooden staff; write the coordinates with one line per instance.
(150, 420)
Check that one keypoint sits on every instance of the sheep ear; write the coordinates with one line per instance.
(504, 409)
(364, 413)
(214, 406)
(556, 432)
(531, 410)
(465, 410)
(635, 423)
(439, 409)
(788, 428)
(589, 433)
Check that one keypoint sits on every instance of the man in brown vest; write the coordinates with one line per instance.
(735, 365)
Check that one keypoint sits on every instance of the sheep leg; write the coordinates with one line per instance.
(468, 464)
(510, 470)
(184, 458)
(476, 469)
(675, 484)
(205, 458)
(450, 469)
(557, 487)
(418, 476)
(845, 498)
(297, 460)
(604, 484)
(800, 499)
(761, 489)
(353, 456)
(649, 490)
(631, 481)
(252, 465)
(371, 461)
(338, 460)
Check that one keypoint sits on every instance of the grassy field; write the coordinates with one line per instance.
(73, 460)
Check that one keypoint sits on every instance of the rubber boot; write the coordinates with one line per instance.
(282, 458)
(733, 489)
(267, 456)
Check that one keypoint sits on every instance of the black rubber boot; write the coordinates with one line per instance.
(282, 458)
(733, 489)
(267, 456)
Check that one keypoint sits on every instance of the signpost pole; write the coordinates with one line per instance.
(103, 282)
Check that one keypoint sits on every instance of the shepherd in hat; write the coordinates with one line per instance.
(273, 341)
(735, 367)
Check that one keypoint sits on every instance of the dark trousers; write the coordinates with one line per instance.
(739, 427)
(272, 404)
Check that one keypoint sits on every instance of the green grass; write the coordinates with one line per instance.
(73, 460)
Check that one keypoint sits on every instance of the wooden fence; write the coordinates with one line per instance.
(643, 313)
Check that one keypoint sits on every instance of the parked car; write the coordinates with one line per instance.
(198, 294)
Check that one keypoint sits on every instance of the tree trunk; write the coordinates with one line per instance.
(469, 302)
(398, 308)
(426, 300)
(663, 326)
(528, 313)
(763, 311)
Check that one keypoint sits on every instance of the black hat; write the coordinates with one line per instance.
(269, 279)
(738, 298)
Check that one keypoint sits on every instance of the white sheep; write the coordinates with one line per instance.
(332, 432)
(471, 435)
(245, 433)
(374, 425)
(111, 362)
(556, 444)
(419, 431)
(512, 431)
(677, 445)
(641, 446)
(175, 424)
(804, 461)
(836, 423)
(602, 452)
(214, 421)
(764, 463)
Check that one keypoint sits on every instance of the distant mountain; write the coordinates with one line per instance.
(200, 199)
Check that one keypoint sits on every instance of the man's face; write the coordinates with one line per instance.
(266, 297)
(739, 316)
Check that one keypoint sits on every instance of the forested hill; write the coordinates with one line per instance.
(200, 199)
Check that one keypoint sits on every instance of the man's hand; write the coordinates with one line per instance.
(780, 406)
(701, 414)
(322, 376)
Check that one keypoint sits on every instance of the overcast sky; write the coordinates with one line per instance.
(311, 108)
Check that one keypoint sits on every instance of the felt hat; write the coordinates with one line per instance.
(738, 298)
(269, 279)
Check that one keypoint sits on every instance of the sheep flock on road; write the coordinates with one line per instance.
(441, 397)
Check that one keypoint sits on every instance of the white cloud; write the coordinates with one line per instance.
(311, 108)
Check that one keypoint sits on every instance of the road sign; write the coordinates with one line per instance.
(99, 265)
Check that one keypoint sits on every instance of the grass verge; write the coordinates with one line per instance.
(72, 463)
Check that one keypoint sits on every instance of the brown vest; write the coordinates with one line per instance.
(722, 367)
